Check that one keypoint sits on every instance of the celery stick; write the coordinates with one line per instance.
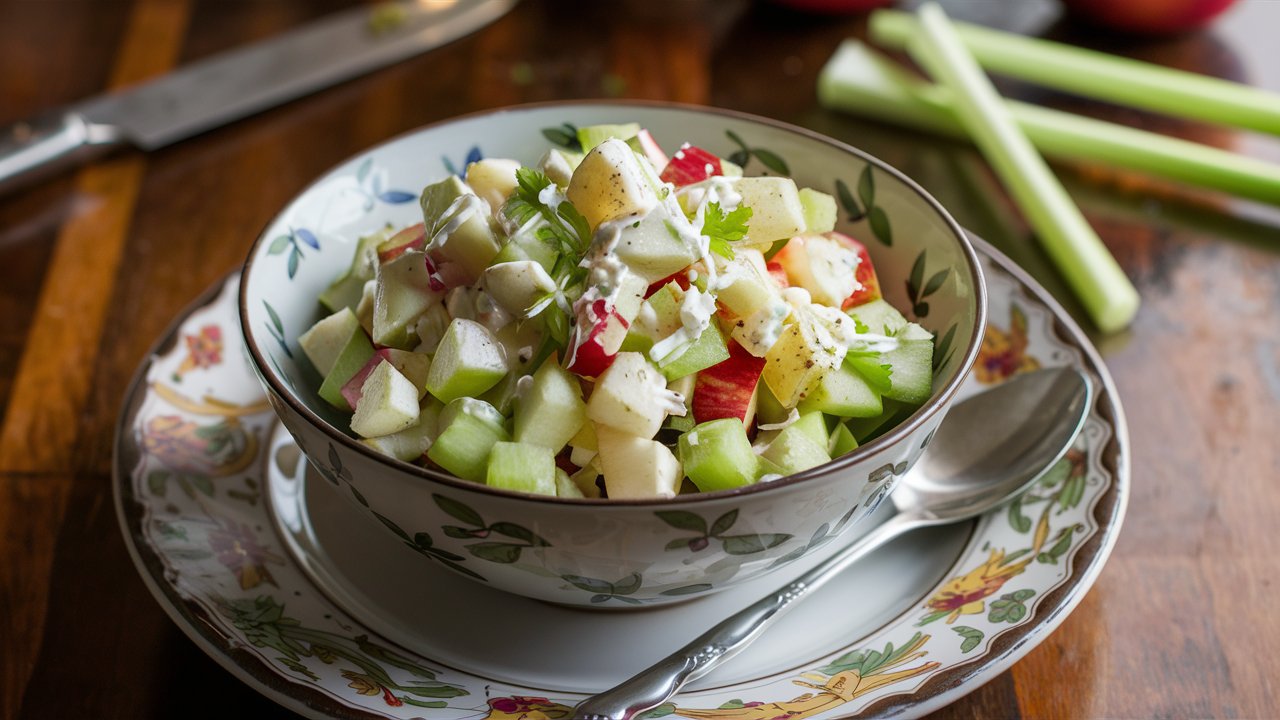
(1099, 75)
(1104, 290)
(860, 80)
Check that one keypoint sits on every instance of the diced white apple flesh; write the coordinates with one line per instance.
(388, 403)
(522, 467)
(630, 397)
(493, 179)
(798, 361)
(324, 342)
(610, 184)
(636, 467)
(516, 285)
(824, 267)
(558, 165)
(414, 441)
(776, 212)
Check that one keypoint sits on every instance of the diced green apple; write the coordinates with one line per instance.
(402, 293)
(468, 361)
(325, 341)
(800, 446)
(414, 366)
(457, 228)
(388, 403)
(347, 290)
(716, 455)
(652, 246)
(841, 441)
(517, 285)
(468, 430)
(592, 135)
(819, 211)
(550, 411)
(842, 393)
(522, 467)
(353, 357)
(566, 487)
(910, 366)
(879, 316)
(635, 467)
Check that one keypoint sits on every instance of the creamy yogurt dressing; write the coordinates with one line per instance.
(459, 211)
(696, 310)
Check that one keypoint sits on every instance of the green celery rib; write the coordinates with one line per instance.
(1099, 75)
(1086, 264)
(860, 80)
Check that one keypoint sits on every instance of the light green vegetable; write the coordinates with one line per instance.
(859, 80)
(1103, 289)
(1090, 73)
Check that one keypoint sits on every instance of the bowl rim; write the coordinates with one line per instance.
(863, 452)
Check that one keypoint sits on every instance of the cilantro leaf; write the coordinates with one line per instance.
(565, 225)
(724, 228)
(867, 364)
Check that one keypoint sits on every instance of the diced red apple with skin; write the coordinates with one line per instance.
(595, 340)
(725, 389)
(652, 150)
(410, 238)
(689, 165)
(445, 275)
(679, 277)
(866, 274)
(403, 361)
(778, 273)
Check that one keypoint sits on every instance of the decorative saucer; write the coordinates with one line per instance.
(249, 553)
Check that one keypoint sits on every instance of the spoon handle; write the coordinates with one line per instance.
(656, 684)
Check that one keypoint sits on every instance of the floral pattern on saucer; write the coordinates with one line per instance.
(190, 462)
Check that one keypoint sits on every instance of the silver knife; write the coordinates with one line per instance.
(237, 83)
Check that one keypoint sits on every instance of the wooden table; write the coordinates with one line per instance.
(94, 264)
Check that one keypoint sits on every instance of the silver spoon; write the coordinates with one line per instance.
(989, 448)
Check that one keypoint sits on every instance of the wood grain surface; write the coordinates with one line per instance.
(95, 264)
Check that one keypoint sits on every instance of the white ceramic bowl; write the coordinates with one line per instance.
(602, 553)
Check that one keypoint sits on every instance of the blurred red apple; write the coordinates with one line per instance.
(835, 7)
(1148, 17)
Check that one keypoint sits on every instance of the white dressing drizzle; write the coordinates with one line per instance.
(458, 212)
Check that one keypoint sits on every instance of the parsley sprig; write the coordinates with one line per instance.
(566, 228)
(724, 228)
(568, 234)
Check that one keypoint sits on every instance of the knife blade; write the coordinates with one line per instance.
(237, 83)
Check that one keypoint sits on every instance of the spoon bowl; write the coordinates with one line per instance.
(989, 449)
(993, 445)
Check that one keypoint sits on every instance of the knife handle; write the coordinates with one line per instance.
(33, 149)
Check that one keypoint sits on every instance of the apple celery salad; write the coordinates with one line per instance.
(617, 323)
